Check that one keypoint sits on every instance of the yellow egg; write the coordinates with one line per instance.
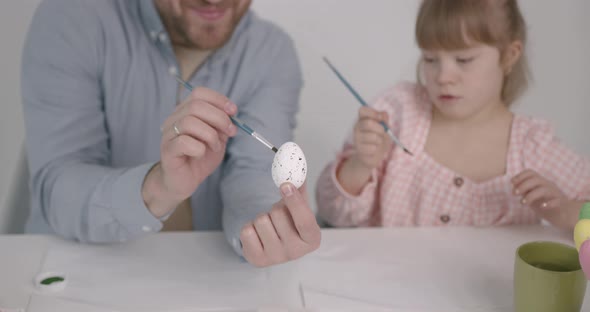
(581, 232)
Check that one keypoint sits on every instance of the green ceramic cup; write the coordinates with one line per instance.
(548, 278)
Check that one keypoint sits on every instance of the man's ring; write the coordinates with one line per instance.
(176, 130)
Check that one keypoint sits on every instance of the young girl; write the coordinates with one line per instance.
(475, 162)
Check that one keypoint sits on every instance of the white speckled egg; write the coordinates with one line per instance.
(289, 165)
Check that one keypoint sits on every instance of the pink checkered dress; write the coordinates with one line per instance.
(413, 191)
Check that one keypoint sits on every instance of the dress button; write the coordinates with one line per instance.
(173, 71)
(458, 181)
(146, 228)
(445, 218)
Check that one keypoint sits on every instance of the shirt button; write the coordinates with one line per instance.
(445, 218)
(153, 34)
(172, 71)
(458, 181)
(146, 228)
(162, 37)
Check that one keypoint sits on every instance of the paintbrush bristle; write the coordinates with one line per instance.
(408, 152)
(274, 149)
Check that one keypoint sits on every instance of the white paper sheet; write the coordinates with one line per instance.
(43, 303)
(154, 275)
(429, 274)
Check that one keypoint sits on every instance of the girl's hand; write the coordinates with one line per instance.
(546, 199)
(371, 142)
(371, 145)
(538, 192)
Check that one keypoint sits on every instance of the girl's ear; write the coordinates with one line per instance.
(512, 54)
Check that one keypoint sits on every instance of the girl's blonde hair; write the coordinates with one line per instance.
(450, 24)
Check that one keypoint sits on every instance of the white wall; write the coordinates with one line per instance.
(372, 43)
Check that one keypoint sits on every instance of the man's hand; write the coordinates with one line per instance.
(194, 139)
(289, 231)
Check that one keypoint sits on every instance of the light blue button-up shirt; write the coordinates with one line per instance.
(96, 87)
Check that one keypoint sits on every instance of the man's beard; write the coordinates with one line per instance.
(208, 37)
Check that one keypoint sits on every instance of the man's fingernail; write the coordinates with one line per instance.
(231, 128)
(523, 201)
(229, 106)
(516, 191)
(287, 189)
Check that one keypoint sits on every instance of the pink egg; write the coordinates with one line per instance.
(585, 257)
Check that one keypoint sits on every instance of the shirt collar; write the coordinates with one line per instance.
(150, 18)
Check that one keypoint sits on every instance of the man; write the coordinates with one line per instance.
(117, 149)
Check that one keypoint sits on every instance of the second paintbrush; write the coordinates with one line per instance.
(360, 99)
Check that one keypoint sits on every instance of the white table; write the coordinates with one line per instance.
(402, 269)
